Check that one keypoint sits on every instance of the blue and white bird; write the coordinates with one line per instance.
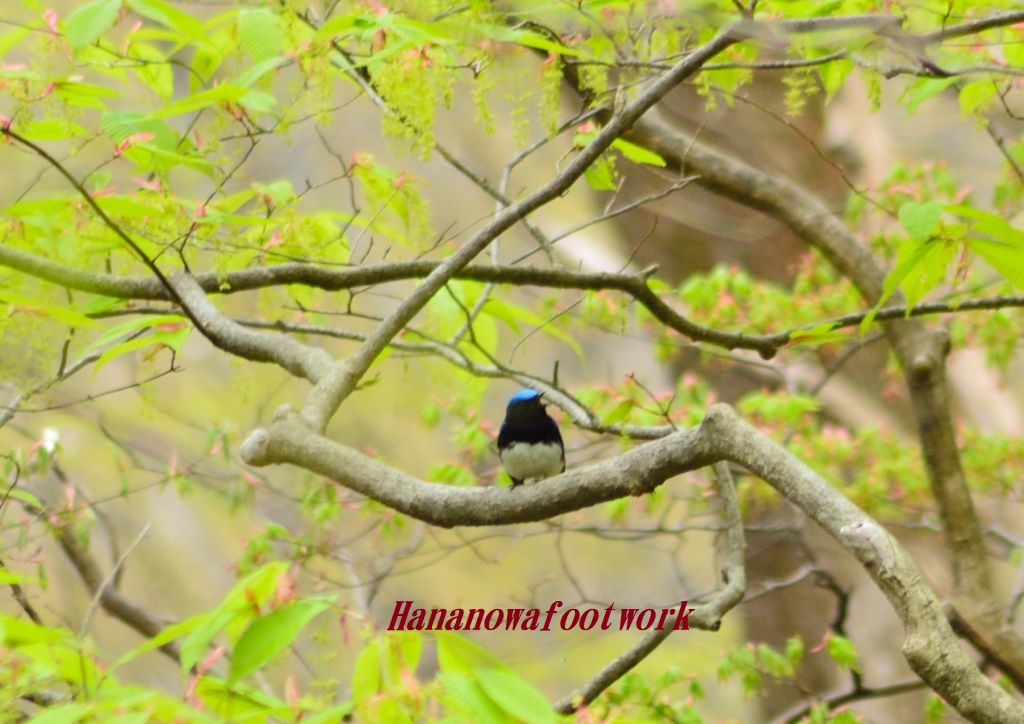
(529, 443)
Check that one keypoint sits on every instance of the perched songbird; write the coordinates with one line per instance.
(529, 443)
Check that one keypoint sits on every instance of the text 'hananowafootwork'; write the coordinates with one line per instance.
(406, 617)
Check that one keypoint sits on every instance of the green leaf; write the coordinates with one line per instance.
(280, 192)
(504, 312)
(173, 339)
(514, 696)
(470, 670)
(269, 635)
(241, 603)
(338, 25)
(224, 93)
(205, 65)
(601, 175)
(66, 714)
(818, 333)
(992, 224)
(976, 95)
(119, 125)
(920, 220)
(258, 102)
(126, 207)
(773, 663)
(620, 413)
(155, 72)
(511, 314)
(84, 95)
(459, 655)
(911, 254)
(20, 73)
(122, 349)
(922, 90)
(401, 654)
(420, 33)
(138, 717)
(67, 315)
(259, 70)
(150, 157)
(834, 75)
(1004, 251)
(934, 709)
(25, 497)
(259, 33)
(388, 710)
(530, 39)
(12, 38)
(795, 649)
(1013, 54)
(126, 328)
(637, 154)
(366, 680)
(447, 316)
(1005, 258)
(16, 633)
(85, 25)
(237, 703)
(53, 130)
(170, 633)
(817, 8)
(466, 695)
(929, 271)
(381, 665)
(99, 305)
(842, 651)
(170, 17)
(786, 409)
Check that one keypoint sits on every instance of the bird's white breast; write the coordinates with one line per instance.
(537, 460)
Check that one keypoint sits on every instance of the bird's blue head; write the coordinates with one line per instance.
(523, 396)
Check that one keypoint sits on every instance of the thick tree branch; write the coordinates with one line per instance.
(930, 647)
(334, 279)
(310, 363)
(290, 440)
